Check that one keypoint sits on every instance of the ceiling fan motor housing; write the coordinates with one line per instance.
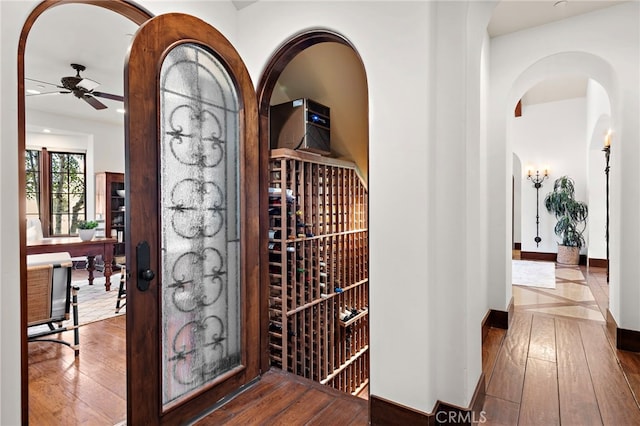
(71, 83)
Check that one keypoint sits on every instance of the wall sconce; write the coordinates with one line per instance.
(607, 153)
(537, 184)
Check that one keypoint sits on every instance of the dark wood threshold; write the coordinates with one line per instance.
(517, 246)
(598, 263)
(385, 412)
(548, 257)
(626, 340)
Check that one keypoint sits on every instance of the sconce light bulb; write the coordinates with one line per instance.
(607, 138)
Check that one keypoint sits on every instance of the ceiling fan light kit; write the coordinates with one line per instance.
(82, 88)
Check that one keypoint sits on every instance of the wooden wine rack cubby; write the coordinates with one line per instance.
(318, 269)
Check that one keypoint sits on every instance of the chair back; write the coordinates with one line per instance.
(48, 287)
(34, 230)
(39, 286)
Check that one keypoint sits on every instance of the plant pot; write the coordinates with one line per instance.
(568, 255)
(86, 234)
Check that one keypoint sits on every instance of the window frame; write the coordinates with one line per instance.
(45, 193)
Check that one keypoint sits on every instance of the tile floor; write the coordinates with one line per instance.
(572, 298)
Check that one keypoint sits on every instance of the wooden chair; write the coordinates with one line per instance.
(51, 297)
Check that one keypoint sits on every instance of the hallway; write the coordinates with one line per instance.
(556, 365)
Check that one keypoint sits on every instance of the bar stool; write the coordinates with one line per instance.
(122, 289)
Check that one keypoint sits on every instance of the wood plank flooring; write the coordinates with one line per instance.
(281, 398)
(89, 389)
(557, 370)
(545, 370)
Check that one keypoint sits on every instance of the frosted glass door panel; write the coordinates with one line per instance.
(199, 225)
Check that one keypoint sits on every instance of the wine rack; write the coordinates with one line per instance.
(318, 269)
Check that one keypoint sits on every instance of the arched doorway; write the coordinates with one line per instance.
(601, 79)
(280, 72)
(136, 14)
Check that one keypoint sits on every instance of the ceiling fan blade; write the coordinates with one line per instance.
(87, 84)
(108, 96)
(49, 93)
(40, 81)
(94, 102)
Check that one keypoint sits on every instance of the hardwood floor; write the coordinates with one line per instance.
(560, 370)
(281, 398)
(547, 369)
(89, 389)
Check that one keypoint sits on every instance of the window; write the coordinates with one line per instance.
(56, 190)
(32, 169)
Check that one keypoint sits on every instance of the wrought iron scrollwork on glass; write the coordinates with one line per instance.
(194, 198)
(200, 286)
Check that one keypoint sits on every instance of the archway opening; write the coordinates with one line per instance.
(129, 11)
(318, 66)
(565, 137)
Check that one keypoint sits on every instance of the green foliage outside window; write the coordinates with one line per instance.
(67, 195)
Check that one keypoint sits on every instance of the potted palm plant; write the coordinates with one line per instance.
(572, 218)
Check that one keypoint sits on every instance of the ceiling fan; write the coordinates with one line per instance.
(82, 88)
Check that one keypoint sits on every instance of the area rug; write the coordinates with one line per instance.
(95, 303)
(534, 273)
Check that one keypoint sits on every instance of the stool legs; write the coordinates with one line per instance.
(122, 290)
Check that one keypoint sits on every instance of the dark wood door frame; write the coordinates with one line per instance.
(144, 137)
(265, 88)
(129, 10)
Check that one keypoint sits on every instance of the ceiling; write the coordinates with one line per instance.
(516, 15)
(332, 75)
(82, 34)
(99, 39)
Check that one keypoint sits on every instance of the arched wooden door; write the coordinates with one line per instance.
(193, 294)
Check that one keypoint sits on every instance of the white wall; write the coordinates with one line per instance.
(11, 415)
(13, 15)
(602, 45)
(405, 286)
(427, 286)
(475, 100)
(517, 199)
(107, 139)
(598, 123)
(549, 135)
(221, 14)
